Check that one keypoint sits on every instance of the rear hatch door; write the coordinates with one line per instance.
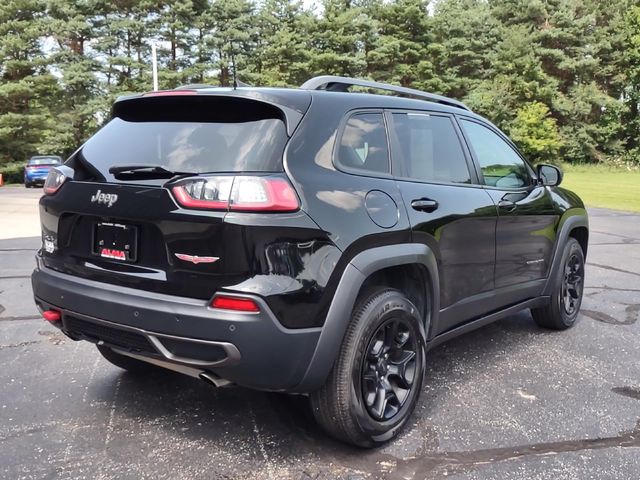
(128, 229)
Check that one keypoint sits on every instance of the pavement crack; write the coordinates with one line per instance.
(17, 345)
(626, 239)
(23, 317)
(622, 244)
(614, 289)
(614, 269)
(469, 459)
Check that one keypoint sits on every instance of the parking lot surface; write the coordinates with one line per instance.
(508, 401)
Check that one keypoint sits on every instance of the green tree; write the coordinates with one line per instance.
(339, 40)
(631, 82)
(465, 35)
(70, 24)
(26, 85)
(283, 48)
(400, 52)
(233, 38)
(536, 133)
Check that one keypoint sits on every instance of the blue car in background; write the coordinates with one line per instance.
(37, 169)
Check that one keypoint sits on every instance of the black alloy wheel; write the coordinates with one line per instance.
(389, 369)
(572, 284)
(566, 296)
(377, 377)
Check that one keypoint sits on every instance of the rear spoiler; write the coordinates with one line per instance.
(290, 106)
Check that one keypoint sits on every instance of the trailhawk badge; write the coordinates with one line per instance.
(106, 198)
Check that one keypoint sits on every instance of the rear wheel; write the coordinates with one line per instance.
(566, 298)
(127, 363)
(377, 377)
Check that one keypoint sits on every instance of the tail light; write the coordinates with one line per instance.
(54, 181)
(237, 193)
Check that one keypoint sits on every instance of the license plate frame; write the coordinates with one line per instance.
(115, 241)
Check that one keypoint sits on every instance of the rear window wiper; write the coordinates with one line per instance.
(140, 172)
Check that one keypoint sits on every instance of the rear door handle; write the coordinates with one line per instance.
(507, 205)
(424, 205)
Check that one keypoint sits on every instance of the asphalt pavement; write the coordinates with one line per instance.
(508, 401)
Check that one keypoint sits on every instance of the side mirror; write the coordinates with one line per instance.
(549, 175)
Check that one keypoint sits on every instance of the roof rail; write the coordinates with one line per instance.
(342, 84)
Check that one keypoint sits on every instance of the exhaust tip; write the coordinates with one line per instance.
(213, 379)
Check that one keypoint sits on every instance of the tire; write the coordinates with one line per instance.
(27, 185)
(347, 405)
(563, 308)
(126, 363)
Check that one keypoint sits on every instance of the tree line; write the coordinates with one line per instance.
(561, 77)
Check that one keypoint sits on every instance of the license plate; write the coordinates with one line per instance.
(115, 241)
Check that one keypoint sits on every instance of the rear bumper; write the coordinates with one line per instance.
(250, 349)
(35, 179)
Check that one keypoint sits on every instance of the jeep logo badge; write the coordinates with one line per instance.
(107, 198)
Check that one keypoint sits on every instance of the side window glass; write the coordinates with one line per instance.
(363, 144)
(501, 166)
(430, 148)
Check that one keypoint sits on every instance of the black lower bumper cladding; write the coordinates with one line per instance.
(252, 350)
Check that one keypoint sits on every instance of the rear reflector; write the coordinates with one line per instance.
(238, 304)
(51, 315)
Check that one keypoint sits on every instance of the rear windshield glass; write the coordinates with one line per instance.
(44, 161)
(255, 145)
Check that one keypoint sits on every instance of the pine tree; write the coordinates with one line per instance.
(70, 25)
(282, 53)
(26, 85)
(400, 53)
(338, 40)
(233, 38)
(465, 35)
(124, 35)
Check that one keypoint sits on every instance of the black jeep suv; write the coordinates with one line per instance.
(315, 240)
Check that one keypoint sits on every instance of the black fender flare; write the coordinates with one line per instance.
(572, 218)
(354, 275)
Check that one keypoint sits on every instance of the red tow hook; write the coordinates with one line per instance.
(51, 316)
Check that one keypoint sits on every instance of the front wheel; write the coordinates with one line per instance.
(376, 380)
(562, 311)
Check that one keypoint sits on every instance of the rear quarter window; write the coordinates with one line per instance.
(363, 144)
